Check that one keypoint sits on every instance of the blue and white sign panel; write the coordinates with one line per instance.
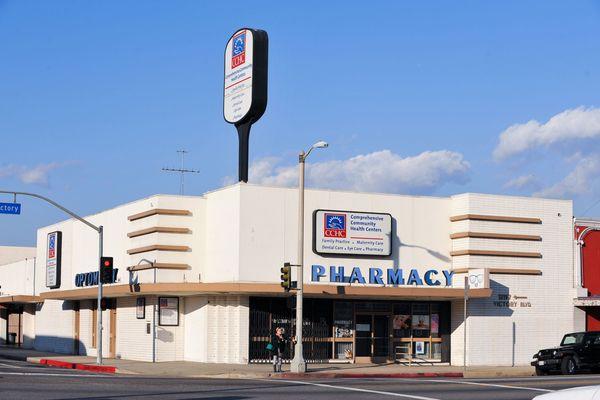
(53, 259)
(10, 208)
(239, 55)
(351, 232)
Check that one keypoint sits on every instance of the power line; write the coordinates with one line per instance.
(182, 171)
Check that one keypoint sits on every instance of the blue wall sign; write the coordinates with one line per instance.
(91, 278)
(10, 208)
(377, 276)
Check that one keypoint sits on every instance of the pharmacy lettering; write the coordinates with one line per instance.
(377, 276)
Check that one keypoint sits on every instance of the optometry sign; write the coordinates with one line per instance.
(353, 233)
(245, 85)
(53, 259)
(478, 278)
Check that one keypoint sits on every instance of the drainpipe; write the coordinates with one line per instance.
(34, 261)
(154, 320)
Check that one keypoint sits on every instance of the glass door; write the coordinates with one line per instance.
(381, 338)
(363, 336)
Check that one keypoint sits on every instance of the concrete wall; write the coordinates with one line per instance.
(10, 254)
(541, 305)
(17, 278)
(54, 327)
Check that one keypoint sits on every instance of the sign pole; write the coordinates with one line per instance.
(244, 142)
(298, 363)
(99, 308)
(465, 323)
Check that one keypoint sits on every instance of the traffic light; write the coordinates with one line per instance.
(286, 276)
(106, 269)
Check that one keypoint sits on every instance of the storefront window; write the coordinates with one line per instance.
(343, 332)
(420, 320)
(402, 320)
(435, 320)
(342, 320)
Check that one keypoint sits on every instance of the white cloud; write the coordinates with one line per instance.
(578, 123)
(581, 181)
(30, 175)
(381, 171)
(522, 182)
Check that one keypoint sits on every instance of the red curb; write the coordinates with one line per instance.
(57, 363)
(108, 369)
(334, 375)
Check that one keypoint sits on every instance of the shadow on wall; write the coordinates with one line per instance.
(61, 345)
(396, 249)
(164, 335)
(500, 304)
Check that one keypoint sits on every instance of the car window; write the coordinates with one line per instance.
(572, 338)
(594, 339)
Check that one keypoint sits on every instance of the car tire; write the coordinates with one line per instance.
(540, 372)
(568, 366)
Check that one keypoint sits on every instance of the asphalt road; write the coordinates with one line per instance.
(20, 380)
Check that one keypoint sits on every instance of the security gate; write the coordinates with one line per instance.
(266, 314)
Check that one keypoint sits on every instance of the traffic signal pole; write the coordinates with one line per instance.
(99, 308)
(98, 229)
(298, 363)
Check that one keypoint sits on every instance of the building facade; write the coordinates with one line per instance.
(199, 277)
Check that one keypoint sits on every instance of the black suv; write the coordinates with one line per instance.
(577, 351)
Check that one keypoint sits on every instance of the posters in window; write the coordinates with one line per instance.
(140, 308)
(435, 324)
(401, 321)
(420, 322)
(168, 308)
(419, 348)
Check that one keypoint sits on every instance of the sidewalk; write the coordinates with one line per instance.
(208, 370)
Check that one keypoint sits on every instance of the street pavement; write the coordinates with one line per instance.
(22, 380)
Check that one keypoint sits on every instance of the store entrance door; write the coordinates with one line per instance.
(372, 338)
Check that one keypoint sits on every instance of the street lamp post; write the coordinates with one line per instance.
(100, 231)
(298, 363)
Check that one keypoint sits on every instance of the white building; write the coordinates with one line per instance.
(199, 278)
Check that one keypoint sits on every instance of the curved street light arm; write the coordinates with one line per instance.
(55, 204)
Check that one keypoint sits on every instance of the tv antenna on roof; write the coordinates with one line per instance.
(182, 171)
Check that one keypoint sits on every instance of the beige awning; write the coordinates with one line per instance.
(257, 289)
(20, 299)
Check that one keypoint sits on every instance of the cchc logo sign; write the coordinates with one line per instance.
(335, 225)
(52, 246)
(238, 50)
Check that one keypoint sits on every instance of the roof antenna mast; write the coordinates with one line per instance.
(182, 171)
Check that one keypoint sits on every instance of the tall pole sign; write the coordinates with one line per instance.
(245, 86)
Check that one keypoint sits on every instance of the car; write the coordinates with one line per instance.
(576, 393)
(577, 351)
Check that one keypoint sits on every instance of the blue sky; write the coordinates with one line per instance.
(414, 97)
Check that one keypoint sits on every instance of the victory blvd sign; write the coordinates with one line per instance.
(245, 86)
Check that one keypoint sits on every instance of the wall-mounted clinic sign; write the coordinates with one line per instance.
(349, 232)
(53, 259)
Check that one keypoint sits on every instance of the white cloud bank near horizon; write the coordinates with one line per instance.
(381, 171)
(571, 124)
(38, 175)
(580, 181)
